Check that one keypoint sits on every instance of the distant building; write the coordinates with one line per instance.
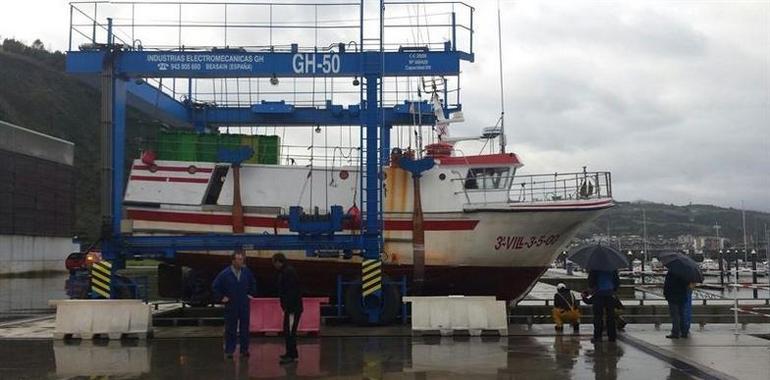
(710, 243)
(37, 200)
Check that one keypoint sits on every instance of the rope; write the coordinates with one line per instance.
(312, 157)
(502, 97)
(326, 161)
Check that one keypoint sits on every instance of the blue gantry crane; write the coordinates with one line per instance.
(123, 70)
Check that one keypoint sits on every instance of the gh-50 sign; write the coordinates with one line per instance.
(308, 63)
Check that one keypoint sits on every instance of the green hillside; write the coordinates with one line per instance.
(670, 221)
(35, 93)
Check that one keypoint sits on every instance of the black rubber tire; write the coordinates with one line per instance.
(390, 307)
(123, 287)
(197, 289)
(170, 281)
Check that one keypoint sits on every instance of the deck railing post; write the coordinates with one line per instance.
(69, 44)
(454, 33)
(735, 298)
(93, 31)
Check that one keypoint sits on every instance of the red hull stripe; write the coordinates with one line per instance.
(173, 168)
(168, 179)
(488, 159)
(269, 222)
(432, 225)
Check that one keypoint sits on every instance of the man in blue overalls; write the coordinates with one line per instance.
(232, 287)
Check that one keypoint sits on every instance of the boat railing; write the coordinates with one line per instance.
(561, 186)
(272, 25)
(494, 187)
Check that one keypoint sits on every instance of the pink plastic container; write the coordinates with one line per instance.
(267, 316)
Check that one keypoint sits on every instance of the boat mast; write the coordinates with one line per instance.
(502, 97)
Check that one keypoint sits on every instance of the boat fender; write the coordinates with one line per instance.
(354, 215)
(148, 157)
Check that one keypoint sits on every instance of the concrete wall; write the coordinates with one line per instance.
(20, 254)
(25, 141)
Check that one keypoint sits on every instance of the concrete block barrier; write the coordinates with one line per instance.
(448, 315)
(88, 319)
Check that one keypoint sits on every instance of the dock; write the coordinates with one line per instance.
(187, 340)
(714, 351)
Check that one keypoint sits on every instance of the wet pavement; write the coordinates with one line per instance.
(27, 351)
(519, 357)
(25, 296)
(714, 349)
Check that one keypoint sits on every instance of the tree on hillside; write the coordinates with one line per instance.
(38, 45)
(54, 59)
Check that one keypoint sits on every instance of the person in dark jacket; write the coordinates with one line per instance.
(603, 285)
(675, 290)
(565, 308)
(291, 303)
(232, 287)
(620, 322)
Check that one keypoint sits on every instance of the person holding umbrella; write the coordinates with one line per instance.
(604, 285)
(675, 291)
(603, 263)
(683, 274)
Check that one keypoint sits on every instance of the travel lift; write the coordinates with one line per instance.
(122, 70)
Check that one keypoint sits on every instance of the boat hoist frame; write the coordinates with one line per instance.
(122, 71)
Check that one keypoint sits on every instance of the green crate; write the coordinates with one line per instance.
(177, 146)
(207, 147)
(269, 150)
(188, 147)
(165, 145)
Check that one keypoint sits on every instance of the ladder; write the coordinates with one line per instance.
(364, 139)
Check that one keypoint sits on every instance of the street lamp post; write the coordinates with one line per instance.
(721, 269)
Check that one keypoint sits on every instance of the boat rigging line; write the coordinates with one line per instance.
(502, 96)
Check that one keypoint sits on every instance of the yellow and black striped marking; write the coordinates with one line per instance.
(371, 276)
(100, 278)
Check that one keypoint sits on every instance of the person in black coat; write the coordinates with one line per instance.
(291, 303)
(620, 322)
(675, 290)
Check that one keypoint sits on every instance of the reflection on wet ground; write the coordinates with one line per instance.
(536, 357)
(29, 295)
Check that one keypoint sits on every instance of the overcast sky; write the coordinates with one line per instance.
(673, 97)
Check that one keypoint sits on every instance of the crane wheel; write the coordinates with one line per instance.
(389, 305)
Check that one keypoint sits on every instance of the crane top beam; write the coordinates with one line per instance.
(239, 64)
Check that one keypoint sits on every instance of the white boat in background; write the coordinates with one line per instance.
(709, 265)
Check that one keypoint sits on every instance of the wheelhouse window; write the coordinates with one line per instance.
(487, 178)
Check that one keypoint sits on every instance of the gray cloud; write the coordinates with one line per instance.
(672, 97)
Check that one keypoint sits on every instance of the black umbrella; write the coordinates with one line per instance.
(598, 257)
(682, 266)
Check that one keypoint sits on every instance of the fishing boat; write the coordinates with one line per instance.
(487, 228)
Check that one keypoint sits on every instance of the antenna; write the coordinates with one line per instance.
(502, 96)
